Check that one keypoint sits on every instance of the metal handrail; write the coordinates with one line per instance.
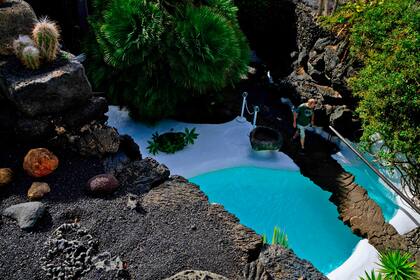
(374, 169)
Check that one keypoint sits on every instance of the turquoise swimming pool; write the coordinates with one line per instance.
(263, 198)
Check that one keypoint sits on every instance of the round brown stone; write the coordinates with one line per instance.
(6, 176)
(102, 184)
(40, 162)
(38, 190)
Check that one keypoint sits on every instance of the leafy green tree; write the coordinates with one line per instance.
(153, 55)
(384, 36)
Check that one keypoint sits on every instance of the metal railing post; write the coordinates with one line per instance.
(244, 95)
(256, 109)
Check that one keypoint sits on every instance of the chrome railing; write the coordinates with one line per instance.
(374, 169)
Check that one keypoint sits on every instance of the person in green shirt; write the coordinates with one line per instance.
(303, 117)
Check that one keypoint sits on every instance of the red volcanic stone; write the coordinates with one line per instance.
(40, 162)
(102, 184)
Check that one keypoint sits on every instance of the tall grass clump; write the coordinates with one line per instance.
(279, 238)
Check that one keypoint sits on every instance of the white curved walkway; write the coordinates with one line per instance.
(227, 145)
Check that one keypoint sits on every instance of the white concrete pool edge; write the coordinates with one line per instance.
(227, 145)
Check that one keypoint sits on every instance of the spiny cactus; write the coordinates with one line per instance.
(30, 57)
(46, 35)
(20, 43)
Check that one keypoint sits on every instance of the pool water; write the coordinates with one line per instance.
(263, 198)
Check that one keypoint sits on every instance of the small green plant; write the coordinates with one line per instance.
(46, 36)
(279, 238)
(371, 276)
(171, 142)
(264, 239)
(30, 57)
(396, 265)
(190, 136)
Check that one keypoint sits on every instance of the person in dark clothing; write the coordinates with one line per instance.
(303, 117)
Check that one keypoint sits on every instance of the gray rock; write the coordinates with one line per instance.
(48, 91)
(342, 47)
(70, 250)
(97, 140)
(308, 31)
(303, 58)
(331, 59)
(26, 214)
(130, 147)
(94, 109)
(16, 18)
(321, 43)
(276, 262)
(318, 62)
(102, 184)
(28, 129)
(140, 176)
(196, 275)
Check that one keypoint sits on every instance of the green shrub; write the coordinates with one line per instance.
(217, 50)
(385, 37)
(153, 55)
(171, 142)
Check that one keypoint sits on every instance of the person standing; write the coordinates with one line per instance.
(303, 117)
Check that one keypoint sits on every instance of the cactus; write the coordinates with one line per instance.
(30, 57)
(46, 35)
(20, 43)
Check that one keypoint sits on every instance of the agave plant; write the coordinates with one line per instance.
(396, 265)
(371, 276)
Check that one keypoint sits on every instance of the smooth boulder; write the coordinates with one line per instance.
(26, 214)
(103, 184)
(47, 91)
(38, 190)
(16, 18)
(40, 162)
(6, 176)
